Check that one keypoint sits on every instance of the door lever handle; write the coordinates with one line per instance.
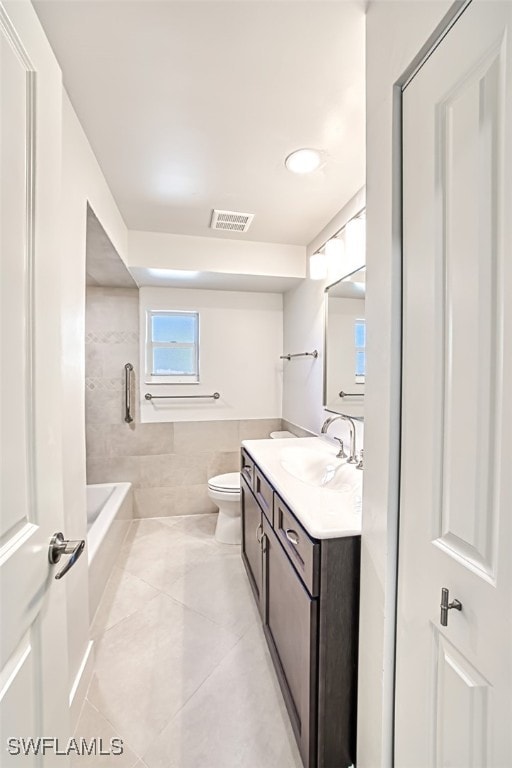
(446, 606)
(60, 546)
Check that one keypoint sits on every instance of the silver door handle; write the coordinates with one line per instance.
(259, 533)
(60, 546)
(292, 536)
(446, 606)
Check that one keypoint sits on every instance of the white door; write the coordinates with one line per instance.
(454, 682)
(33, 635)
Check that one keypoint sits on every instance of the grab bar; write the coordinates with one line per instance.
(351, 394)
(148, 396)
(300, 354)
(127, 393)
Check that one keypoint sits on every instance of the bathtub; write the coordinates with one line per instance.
(109, 511)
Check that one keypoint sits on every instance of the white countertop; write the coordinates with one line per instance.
(324, 513)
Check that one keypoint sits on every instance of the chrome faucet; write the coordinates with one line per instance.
(327, 423)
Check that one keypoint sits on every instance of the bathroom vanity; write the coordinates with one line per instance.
(301, 518)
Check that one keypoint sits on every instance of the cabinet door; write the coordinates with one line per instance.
(290, 617)
(251, 540)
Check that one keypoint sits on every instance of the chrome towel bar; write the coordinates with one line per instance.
(148, 396)
(127, 393)
(300, 354)
(351, 394)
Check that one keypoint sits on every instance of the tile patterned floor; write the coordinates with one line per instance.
(182, 672)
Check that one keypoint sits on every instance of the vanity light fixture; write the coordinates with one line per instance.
(317, 266)
(355, 243)
(334, 255)
(303, 161)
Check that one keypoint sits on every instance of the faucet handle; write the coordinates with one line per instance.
(360, 464)
(341, 453)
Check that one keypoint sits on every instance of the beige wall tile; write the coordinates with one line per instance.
(258, 429)
(103, 406)
(93, 360)
(194, 500)
(112, 309)
(155, 438)
(173, 470)
(195, 436)
(113, 470)
(96, 440)
(155, 502)
(122, 439)
(220, 463)
(140, 439)
(296, 430)
(183, 500)
(115, 356)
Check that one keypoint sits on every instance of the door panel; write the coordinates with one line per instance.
(290, 622)
(251, 537)
(453, 683)
(470, 152)
(33, 648)
(459, 689)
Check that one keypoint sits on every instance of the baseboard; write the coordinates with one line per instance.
(80, 685)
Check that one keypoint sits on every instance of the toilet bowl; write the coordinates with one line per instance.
(224, 490)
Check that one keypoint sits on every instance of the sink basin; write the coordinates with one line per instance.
(319, 469)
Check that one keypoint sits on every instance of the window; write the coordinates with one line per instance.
(360, 346)
(172, 347)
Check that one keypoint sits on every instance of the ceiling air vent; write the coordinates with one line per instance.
(231, 221)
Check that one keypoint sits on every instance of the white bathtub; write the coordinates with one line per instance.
(109, 511)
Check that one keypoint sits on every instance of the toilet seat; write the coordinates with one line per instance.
(228, 483)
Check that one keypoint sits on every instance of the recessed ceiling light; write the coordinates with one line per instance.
(303, 161)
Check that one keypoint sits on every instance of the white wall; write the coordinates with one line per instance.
(304, 332)
(82, 182)
(214, 254)
(241, 339)
(395, 33)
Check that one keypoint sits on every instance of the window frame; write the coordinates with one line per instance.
(151, 345)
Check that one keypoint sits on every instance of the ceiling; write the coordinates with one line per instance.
(194, 105)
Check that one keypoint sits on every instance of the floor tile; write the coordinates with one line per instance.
(123, 595)
(182, 671)
(237, 718)
(218, 588)
(92, 725)
(148, 665)
(202, 530)
(155, 553)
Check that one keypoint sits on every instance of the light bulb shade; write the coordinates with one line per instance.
(317, 266)
(355, 245)
(334, 255)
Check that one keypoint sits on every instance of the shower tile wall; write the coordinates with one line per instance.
(169, 464)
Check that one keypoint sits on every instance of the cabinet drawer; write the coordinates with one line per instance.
(247, 468)
(303, 551)
(264, 493)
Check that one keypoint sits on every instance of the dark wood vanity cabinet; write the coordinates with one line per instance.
(252, 531)
(308, 595)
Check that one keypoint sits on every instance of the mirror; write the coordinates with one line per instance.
(344, 345)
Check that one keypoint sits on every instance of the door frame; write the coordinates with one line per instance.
(451, 17)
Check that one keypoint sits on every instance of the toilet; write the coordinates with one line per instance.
(224, 490)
